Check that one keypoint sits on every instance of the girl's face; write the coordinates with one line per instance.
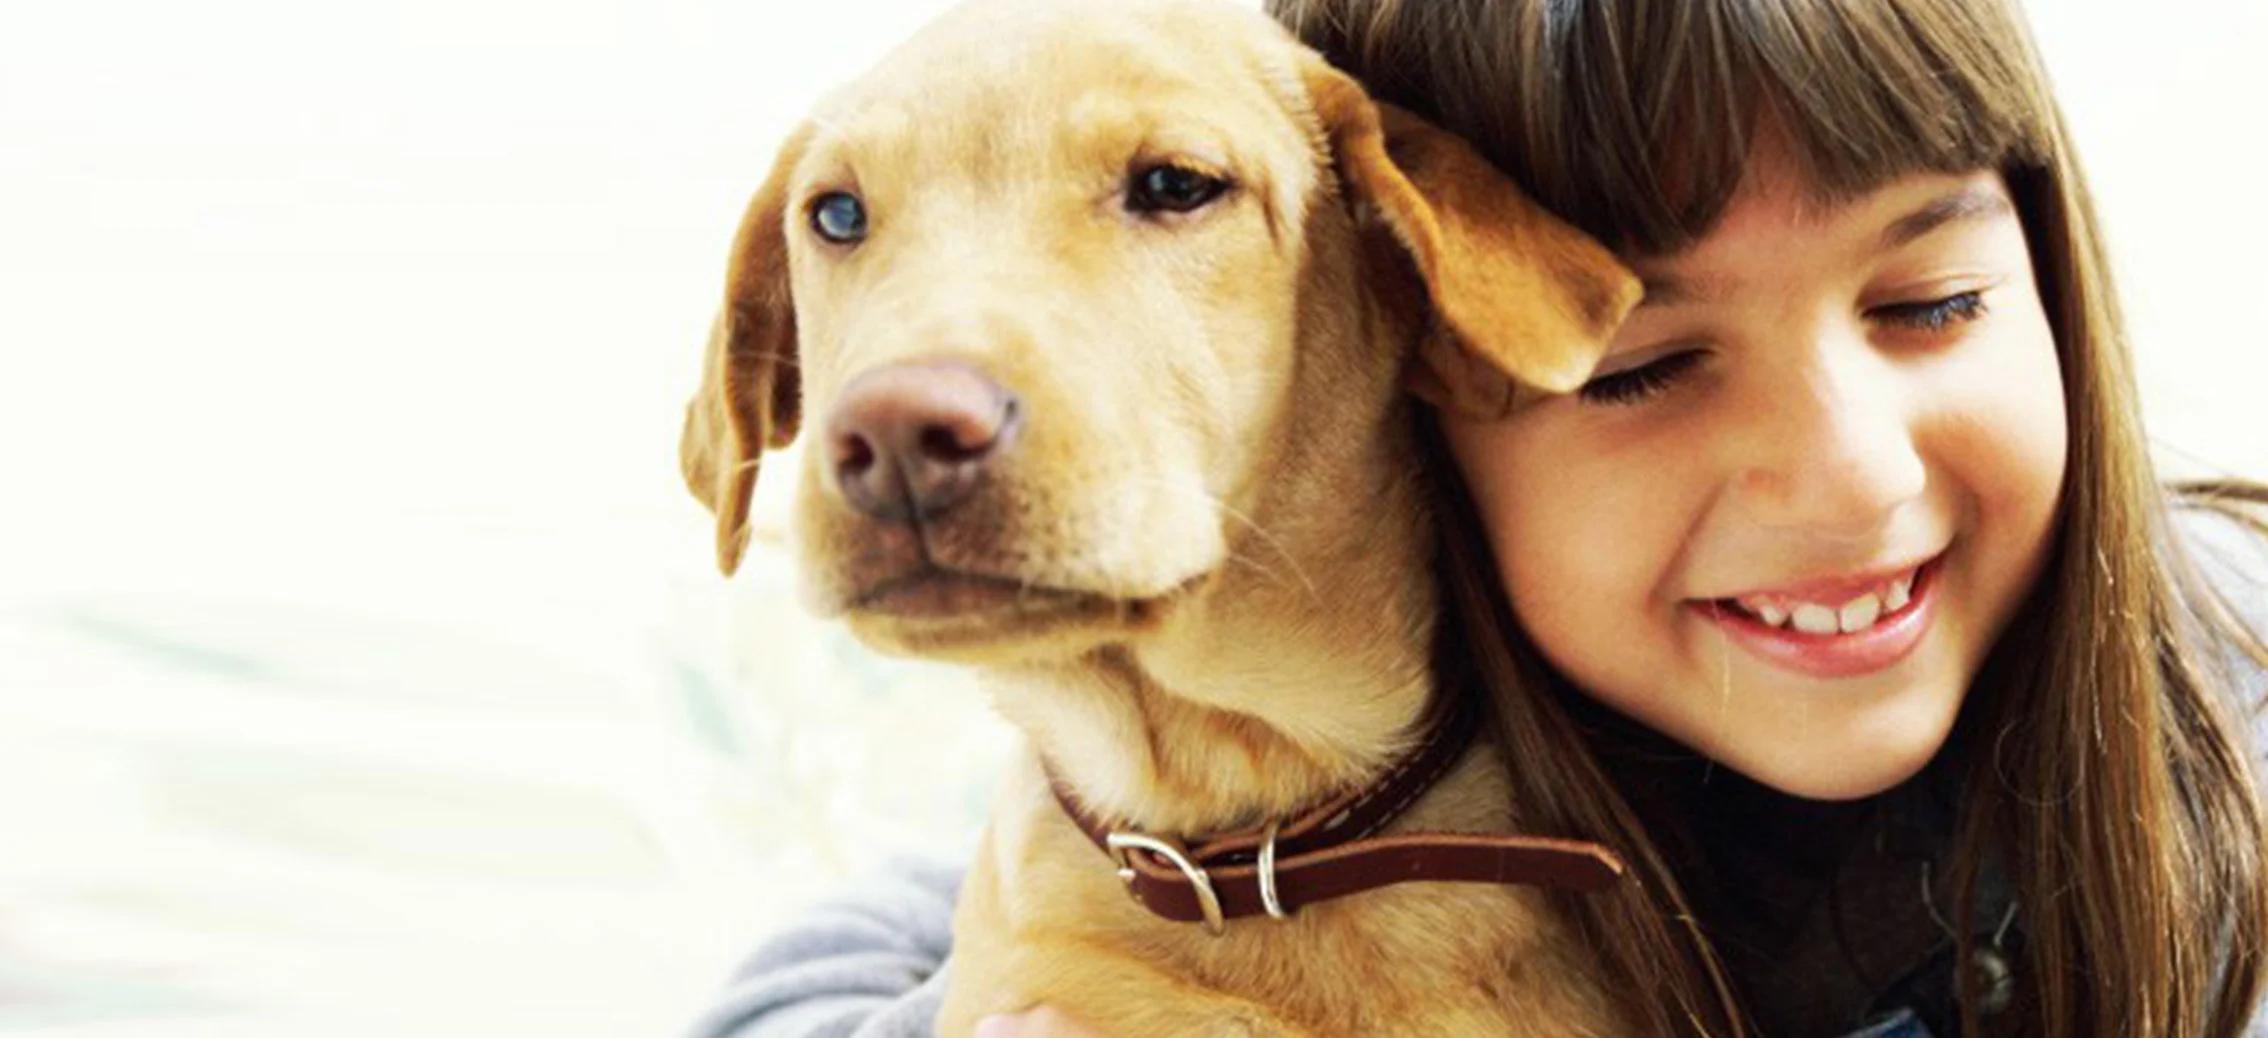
(1805, 490)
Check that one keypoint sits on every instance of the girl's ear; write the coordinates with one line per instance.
(1522, 298)
(748, 399)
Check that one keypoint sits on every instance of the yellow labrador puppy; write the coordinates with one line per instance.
(1099, 320)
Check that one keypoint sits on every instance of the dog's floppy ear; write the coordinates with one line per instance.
(748, 399)
(1521, 296)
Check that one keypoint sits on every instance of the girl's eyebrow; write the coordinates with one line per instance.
(1663, 289)
(1968, 203)
(1666, 289)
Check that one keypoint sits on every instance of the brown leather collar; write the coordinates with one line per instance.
(1334, 850)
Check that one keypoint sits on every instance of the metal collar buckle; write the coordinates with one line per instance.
(1123, 844)
(1267, 869)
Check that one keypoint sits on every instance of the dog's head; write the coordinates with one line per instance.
(1047, 290)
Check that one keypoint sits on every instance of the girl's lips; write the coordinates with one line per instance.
(1892, 637)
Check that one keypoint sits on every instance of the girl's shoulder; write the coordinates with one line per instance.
(2230, 551)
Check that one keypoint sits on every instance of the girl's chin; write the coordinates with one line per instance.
(1834, 754)
(1837, 781)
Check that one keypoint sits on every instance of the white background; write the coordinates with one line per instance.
(326, 319)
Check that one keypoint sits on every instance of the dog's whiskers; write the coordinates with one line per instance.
(1226, 509)
(828, 128)
(785, 360)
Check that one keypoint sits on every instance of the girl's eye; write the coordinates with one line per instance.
(839, 217)
(1640, 383)
(1172, 189)
(1933, 315)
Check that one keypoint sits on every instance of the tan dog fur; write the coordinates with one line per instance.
(1225, 610)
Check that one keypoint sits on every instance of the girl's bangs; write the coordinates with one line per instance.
(1639, 117)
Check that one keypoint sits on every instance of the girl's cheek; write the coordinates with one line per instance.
(1995, 428)
(2000, 404)
(1588, 528)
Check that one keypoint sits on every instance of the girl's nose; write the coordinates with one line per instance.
(1832, 446)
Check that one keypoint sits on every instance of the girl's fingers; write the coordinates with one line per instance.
(1038, 1022)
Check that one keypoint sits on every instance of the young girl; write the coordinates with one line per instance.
(1842, 600)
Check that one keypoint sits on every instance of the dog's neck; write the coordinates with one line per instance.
(1248, 706)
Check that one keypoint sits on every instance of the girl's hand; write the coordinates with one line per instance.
(1039, 1022)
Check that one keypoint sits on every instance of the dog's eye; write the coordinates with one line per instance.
(839, 217)
(1171, 189)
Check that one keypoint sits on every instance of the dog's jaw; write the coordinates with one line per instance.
(986, 621)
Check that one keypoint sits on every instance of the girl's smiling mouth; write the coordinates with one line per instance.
(1834, 629)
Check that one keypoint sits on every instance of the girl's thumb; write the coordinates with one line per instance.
(1037, 1022)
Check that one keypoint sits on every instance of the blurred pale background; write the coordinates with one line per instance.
(362, 669)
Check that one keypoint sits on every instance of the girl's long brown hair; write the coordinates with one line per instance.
(2105, 766)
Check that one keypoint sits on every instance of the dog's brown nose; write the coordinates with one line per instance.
(909, 441)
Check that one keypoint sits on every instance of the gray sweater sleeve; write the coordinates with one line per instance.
(2234, 560)
(869, 965)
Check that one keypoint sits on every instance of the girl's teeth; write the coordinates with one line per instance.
(1860, 614)
(1901, 592)
(1855, 615)
(1816, 619)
